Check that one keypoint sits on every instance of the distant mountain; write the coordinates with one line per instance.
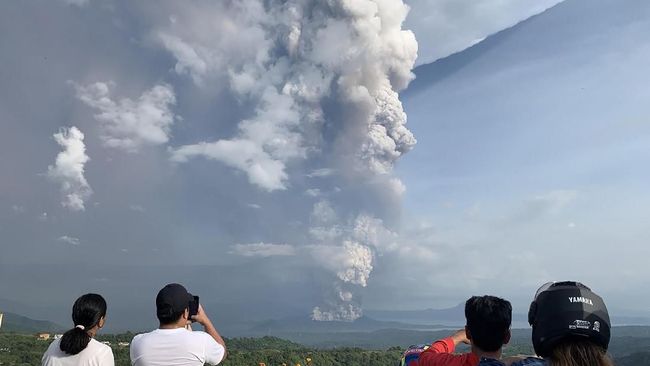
(567, 28)
(263, 343)
(22, 324)
(630, 320)
(382, 339)
(306, 325)
(638, 358)
(434, 72)
(454, 316)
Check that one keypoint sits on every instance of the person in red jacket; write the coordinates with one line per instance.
(486, 331)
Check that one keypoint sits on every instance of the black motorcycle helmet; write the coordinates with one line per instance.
(564, 311)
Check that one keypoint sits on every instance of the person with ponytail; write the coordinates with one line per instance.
(77, 346)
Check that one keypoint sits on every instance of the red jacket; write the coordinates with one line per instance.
(440, 354)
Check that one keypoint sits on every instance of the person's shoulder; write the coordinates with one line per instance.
(490, 362)
(99, 346)
(54, 347)
(140, 339)
(141, 336)
(442, 358)
(201, 335)
(530, 361)
(55, 343)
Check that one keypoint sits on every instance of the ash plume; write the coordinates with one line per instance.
(347, 249)
(321, 80)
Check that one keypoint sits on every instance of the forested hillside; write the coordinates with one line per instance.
(629, 346)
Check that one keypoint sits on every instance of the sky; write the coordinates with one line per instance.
(450, 26)
(261, 154)
(536, 142)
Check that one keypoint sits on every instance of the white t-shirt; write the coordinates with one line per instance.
(95, 354)
(178, 347)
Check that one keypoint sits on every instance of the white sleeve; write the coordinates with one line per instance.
(106, 358)
(214, 352)
(134, 349)
(45, 360)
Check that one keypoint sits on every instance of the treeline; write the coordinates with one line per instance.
(336, 357)
(23, 350)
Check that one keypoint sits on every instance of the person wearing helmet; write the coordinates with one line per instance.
(571, 327)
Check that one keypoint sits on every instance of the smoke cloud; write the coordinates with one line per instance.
(263, 250)
(68, 169)
(315, 88)
(322, 82)
(129, 124)
(69, 240)
(298, 55)
(347, 250)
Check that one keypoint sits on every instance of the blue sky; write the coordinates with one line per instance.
(536, 148)
(268, 143)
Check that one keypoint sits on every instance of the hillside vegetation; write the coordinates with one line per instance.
(629, 348)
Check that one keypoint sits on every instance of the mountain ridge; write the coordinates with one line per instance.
(12, 322)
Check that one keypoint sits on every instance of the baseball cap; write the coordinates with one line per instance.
(567, 310)
(173, 298)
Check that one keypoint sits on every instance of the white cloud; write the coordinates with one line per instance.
(264, 145)
(245, 155)
(68, 169)
(69, 240)
(549, 203)
(396, 186)
(444, 27)
(313, 192)
(556, 200)
(188, 61)
(76, 2)
(131, 124)
(263, 250)
(136, 208)
(18, 209)
(323, 214)
(323, 172)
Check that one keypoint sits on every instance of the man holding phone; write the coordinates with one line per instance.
(174, 342)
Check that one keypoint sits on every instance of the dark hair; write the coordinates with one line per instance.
(488, 321)
(169, 317)
(574, 352)
(86, 312)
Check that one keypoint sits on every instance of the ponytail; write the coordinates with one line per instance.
(74, 341)
(86, 314)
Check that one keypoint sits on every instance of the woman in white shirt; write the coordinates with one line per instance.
(78, 347)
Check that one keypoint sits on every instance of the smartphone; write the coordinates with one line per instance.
(194, 307)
